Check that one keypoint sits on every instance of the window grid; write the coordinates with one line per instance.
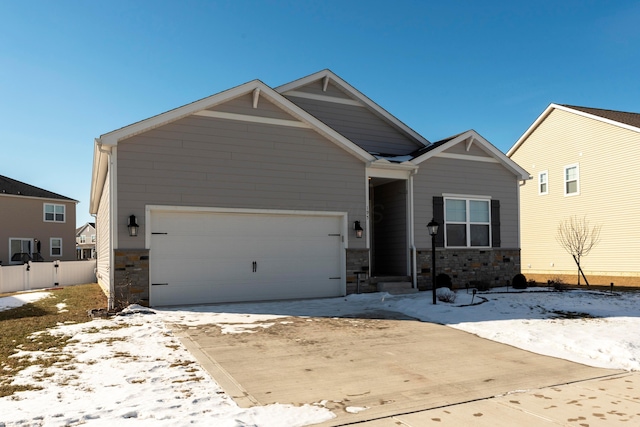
(543, 183)
(55, 246)
(54, 213)
(571, 180)
(467, 222)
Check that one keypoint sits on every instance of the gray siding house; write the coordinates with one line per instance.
(256, 193)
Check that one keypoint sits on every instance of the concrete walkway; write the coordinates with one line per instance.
(390, 372)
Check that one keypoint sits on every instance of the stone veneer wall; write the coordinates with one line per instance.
(358, 260)
(493, 266)
(131, 277)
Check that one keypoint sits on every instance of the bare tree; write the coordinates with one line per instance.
(578, 238)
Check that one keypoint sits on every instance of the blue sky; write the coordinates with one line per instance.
(71, 71)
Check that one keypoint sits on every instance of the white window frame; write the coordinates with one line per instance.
(22, 240)
(83, 238)
(566, 181)
(541, 182)
(44, 212)
(51, 247)
(468, 222)
(93, 238)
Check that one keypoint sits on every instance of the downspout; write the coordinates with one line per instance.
(107, 151)
(412, 243)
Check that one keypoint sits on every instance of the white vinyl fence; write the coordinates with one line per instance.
(41, 275)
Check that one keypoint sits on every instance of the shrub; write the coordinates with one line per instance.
(445, 295)
(443, 281)
(532, 283)
(519, 281)
(557, 283)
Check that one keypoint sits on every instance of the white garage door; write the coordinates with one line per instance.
(204, 257)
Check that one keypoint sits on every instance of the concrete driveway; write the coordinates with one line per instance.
(389, 364)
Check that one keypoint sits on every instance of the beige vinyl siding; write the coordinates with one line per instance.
(209, 162)
(607, 156)
(438, 176)
(103, 239)
(360, 125)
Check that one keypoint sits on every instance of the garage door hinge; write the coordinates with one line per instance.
(159, 233)
(335, 278)
(159, 284)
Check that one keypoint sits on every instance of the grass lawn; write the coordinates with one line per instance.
(18, 326)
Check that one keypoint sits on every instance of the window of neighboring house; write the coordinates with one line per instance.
(54, 213)
(55, 245)
(83, 238)
(17, 249)
(93, 238)
(571, 180)
(543, 182)
(467, 222)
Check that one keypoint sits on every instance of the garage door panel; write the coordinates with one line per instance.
(209, 257)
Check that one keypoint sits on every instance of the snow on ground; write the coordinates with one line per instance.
(20, 299)
(132, 370)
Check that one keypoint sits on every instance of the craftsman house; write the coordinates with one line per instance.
(35, 224)
(260, 193)
(583, 162)
(86, 241)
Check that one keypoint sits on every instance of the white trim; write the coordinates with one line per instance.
(253, 119)
(467, 221)
(51, 239)
(468, 157)
(564, 179)
(325, 98)
(548, 111)
(356, 94)
(39, 198)
(546, 174)
(44, 213)
(373, 172)
(482, 143)
(465, 196)
(22, 239)
(113, 213)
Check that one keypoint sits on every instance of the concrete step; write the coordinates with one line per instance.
(396, 288)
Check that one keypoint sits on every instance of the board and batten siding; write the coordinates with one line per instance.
(103, 239)
(210, 162)
(607, 156)
(438, 176)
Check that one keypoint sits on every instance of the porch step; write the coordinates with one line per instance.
(396, 288)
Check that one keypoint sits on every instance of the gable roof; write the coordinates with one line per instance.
(630, 121)
(14, 187)
(105, 142)
(328, 75)
(470, 137)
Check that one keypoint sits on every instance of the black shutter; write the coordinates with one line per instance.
(438, 216)
(495, 223)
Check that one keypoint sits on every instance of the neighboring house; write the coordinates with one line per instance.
(584, 162)
(35, 224)
(258, 193)
(86, 241)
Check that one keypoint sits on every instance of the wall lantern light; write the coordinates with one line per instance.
(432, 227)
(133, 226)
(358, 228)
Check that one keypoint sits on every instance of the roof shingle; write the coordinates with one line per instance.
(631, 119)
(18, 188)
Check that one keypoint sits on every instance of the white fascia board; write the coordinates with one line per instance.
(531, 128)
(484, 144)
(112, 138)
(98, 175)
(47, 199)
(357, 94)
(552, 107)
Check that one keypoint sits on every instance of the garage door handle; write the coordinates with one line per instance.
(255, 266)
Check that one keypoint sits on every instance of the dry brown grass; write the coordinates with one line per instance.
(18, 326)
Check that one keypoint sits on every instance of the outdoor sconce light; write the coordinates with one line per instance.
(133, 226)
(432, 227)
(358, 228)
